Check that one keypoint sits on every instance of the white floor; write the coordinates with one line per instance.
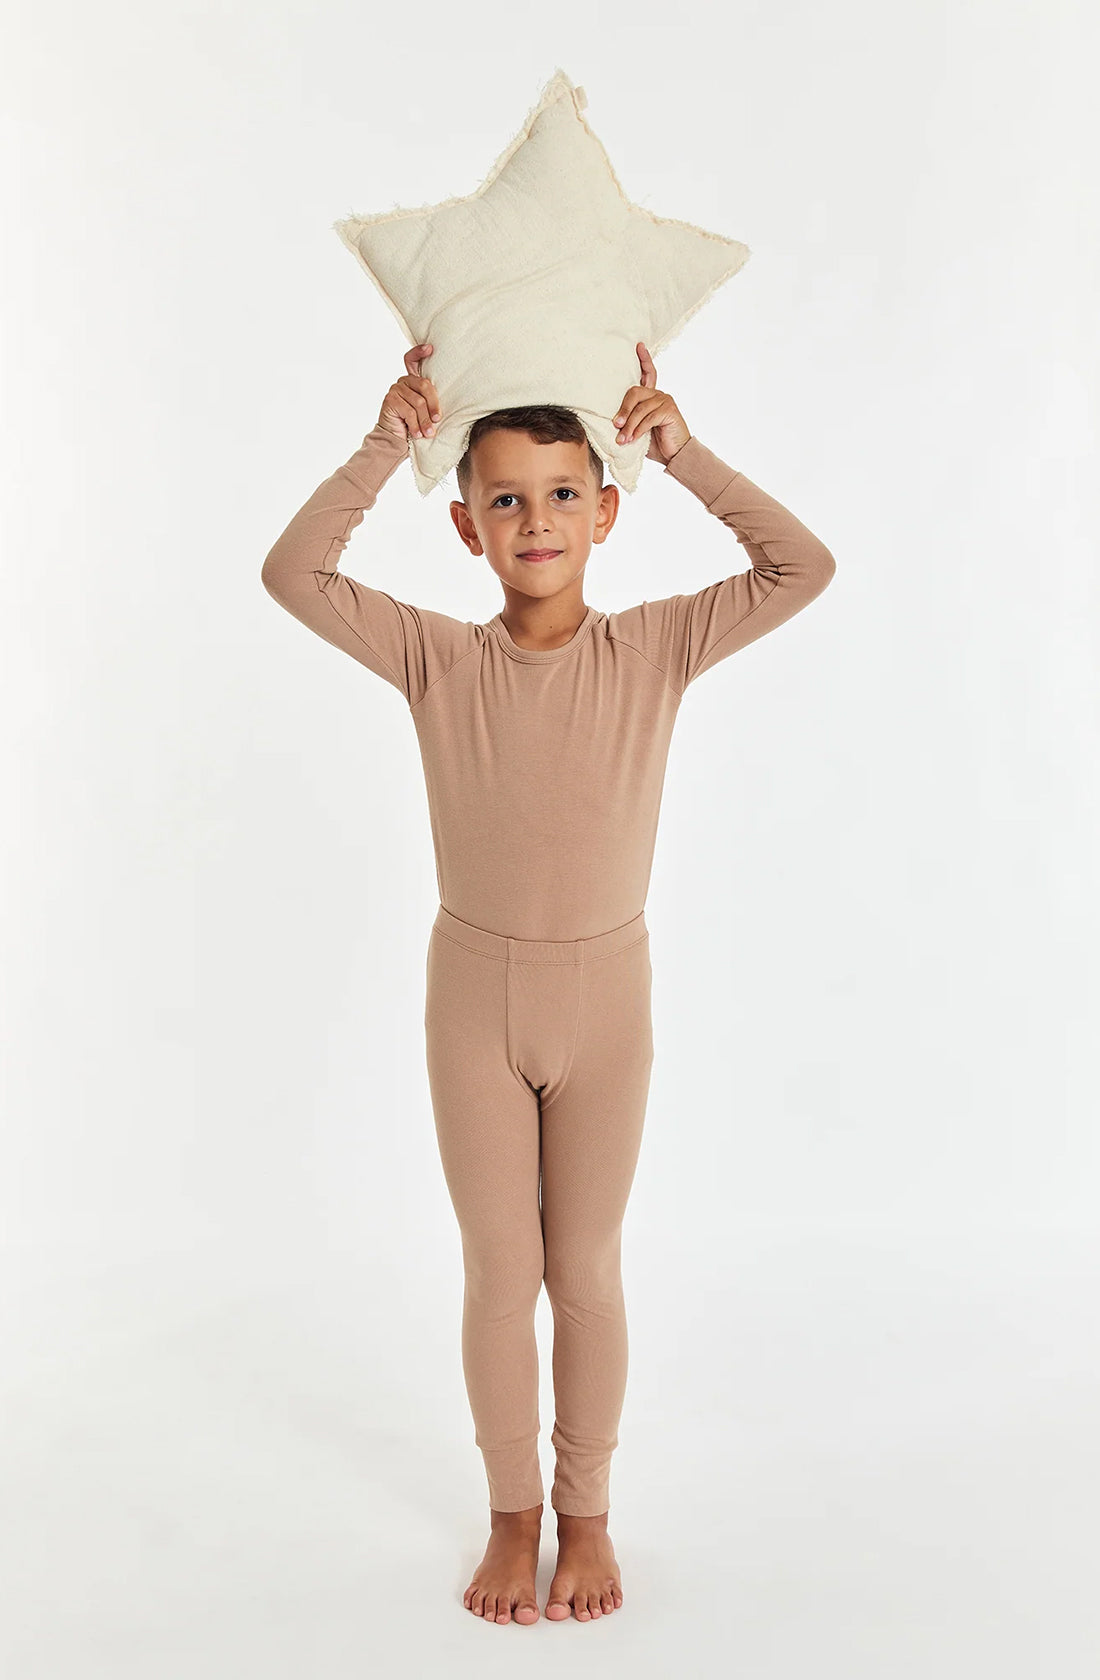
(874, 1457)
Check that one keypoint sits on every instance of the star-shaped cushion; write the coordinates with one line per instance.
(537, 287)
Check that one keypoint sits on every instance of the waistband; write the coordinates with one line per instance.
(540, 950)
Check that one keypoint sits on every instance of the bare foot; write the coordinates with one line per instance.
(504, 1580)
(587, 1575)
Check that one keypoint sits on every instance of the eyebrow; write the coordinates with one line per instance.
(511, 484)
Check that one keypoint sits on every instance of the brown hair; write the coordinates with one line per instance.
(546, 422)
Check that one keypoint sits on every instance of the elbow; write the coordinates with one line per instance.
(269, 575)
(825, 567)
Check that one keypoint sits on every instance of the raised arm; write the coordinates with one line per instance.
(300, 571)
(684, 635)
(407, 646)
(790, 565)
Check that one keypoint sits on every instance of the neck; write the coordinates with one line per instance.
(543, 624)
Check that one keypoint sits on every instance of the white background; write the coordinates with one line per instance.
(860, 1256)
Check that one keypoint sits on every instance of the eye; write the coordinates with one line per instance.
(508, 494)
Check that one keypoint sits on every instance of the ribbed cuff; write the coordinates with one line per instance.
(377, 459)
(702, 472)
(514, 1477)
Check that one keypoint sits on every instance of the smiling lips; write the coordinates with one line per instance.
(540, 554)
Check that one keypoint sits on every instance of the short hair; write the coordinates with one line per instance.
(546, 422)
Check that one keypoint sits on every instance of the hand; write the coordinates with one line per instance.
(644, 408)
(411, 405)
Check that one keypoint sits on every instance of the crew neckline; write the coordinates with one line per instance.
(537, 656)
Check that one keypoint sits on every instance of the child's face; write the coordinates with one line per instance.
(525, 495)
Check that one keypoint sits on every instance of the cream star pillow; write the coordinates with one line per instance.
(537, 287)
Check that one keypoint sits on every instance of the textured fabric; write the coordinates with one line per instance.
(539, 1057)
(544, 769)
(544, 772)
(537, 287)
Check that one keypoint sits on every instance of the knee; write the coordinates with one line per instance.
(500, 1278)
(589, 1282)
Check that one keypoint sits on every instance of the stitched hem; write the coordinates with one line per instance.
(534, 962)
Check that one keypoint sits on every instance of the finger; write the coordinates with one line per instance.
(429, 392)
(413, 394)
(416, 355)
(643, 414)
(629, 416)
(631, 396)
(649, 372)
(405, 408)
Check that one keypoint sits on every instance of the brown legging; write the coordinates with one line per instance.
(539, 1055)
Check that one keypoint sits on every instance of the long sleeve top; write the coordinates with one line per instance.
(544, 769)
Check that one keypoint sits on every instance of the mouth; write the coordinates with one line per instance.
(540, 554)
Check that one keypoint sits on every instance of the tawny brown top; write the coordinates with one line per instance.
(544, 769)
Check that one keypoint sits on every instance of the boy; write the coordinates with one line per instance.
(544, 735)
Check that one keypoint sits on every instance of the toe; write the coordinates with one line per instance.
(527, 1610)
(490, 1607)
(607, 1603)
(558, 1599)
(580, 1607)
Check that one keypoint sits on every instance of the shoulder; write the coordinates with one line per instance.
(651, 628)
(430, 644)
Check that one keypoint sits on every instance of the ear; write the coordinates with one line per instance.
(606, 513)
(464, 525)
